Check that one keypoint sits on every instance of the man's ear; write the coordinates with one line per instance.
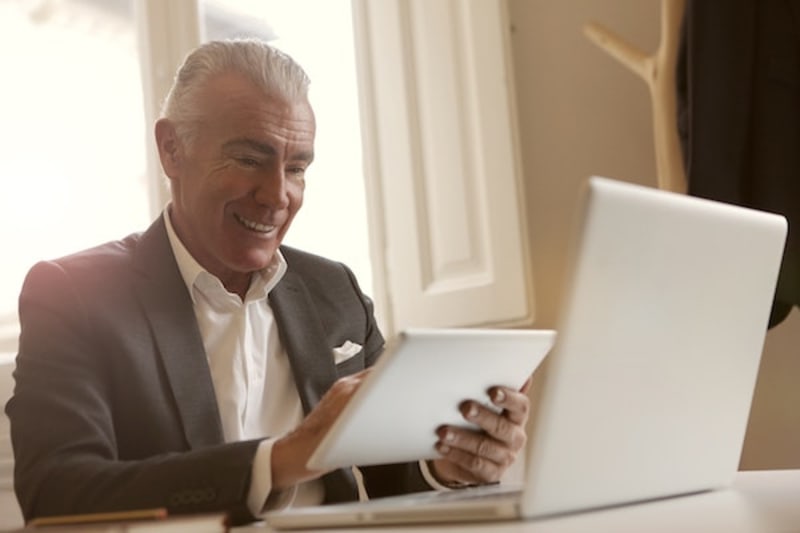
(169, 147)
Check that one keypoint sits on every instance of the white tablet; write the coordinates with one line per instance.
(418, 384)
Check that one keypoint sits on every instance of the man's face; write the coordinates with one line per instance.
(236, 189)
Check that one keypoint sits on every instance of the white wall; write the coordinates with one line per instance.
(582, 113)
(773, 435)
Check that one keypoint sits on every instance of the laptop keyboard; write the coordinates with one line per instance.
(469, 493)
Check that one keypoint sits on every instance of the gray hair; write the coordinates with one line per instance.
(268, 68)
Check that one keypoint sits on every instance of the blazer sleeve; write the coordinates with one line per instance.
(65, 427)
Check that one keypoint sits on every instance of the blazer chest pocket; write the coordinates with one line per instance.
(351, 365)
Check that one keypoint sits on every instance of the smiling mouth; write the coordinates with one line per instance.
(254, 226)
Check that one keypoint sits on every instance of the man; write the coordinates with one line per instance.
(192, 366)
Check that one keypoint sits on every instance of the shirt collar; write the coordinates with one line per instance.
(261, 283)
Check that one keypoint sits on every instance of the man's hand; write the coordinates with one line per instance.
(291, 453)
(477, 457)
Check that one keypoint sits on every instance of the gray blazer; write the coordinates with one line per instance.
(114, 406)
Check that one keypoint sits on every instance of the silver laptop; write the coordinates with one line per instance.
(648, 388)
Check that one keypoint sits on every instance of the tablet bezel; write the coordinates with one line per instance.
(417, 385)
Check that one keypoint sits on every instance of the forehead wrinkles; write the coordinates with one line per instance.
(289, 122)
(234, 106)
(267, 117)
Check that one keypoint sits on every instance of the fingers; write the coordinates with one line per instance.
(475, 456)
(464, 467)
(515, 404)
(483, 455)
(471, 448)
(454, 475)
(332, 403)
(291, 452)
(506, 428)
(499, 440)
(340, 393)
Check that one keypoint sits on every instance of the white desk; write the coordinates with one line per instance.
(758, 502)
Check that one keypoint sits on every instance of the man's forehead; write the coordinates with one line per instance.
(300, 153)
(239, 114)
(247, 102)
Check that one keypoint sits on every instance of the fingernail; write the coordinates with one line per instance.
(499, 396)
(449, 436)
(473, 412)
(444, 449)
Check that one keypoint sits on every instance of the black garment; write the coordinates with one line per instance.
(738, 83)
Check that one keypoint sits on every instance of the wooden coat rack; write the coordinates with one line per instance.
(658, 71)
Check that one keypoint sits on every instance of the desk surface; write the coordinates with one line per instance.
(758, 502)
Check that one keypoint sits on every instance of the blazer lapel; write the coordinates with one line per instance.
(304, 339)
(311, 361)
(168, 307)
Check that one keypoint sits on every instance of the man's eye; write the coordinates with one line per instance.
(247, 162)
(296, 171)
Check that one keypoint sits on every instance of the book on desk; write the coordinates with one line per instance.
(138, 521)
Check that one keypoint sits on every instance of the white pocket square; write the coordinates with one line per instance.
(345, 352)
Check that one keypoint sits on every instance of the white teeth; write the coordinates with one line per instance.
(255, 226)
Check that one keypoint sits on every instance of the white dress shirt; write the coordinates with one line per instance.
(253, 381)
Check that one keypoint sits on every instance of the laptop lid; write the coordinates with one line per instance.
(648, 388)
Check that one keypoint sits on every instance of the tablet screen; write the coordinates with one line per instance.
(418, 384)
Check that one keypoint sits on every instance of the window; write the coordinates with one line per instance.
(332, 222)
(445, 219)
(443, 159)
(445, 231)
(72, 133)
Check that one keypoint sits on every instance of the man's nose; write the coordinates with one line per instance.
(271, 190)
